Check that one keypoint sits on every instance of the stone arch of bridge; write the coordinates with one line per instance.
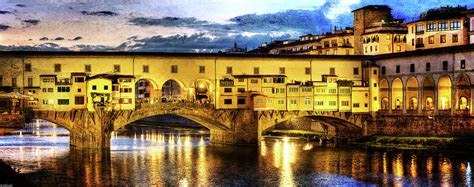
(202, 86)
(340, 127)
(64, 125)
(205, 122)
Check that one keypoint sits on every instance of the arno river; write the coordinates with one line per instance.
(147, 156)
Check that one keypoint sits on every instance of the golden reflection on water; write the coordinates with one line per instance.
(445, 168)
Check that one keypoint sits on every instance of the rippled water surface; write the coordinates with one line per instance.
(148, 156)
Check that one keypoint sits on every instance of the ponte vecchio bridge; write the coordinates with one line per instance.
(238, 97)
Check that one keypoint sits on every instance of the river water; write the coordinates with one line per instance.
(148, 156)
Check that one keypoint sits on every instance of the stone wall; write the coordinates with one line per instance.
(423, 126)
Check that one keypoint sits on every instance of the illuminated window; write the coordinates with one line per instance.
(202, 69)
(116, 68)
(455, 25)
(442, 25)
(282, 70)
(442, 38)
(307, 101)
(431, 27)
(174, 68)
(293, 102)
(281, 101)
(431, 39)
(256, 70)
(455, 38)
(463, 64)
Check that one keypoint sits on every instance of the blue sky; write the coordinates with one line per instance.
(178, 25)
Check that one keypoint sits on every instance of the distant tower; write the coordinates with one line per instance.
(365, 16)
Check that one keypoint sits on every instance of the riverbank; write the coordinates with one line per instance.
(463, 144)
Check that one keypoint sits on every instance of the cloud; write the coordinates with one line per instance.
(195, 43)
(31, 22)
(169, 22)
(76, 38)
(44, 39)
(59, 38)
(99, 13)
(5, 12)
(4, 27)
(20, 5)
(40, 47)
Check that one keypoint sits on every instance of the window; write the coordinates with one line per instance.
(281, 101)
(228, 101)
(445, 65)
(79, 79)
(375, 85)
(87, 68)
(202, 69)
(398, 69)
(174, 68)
(455, 38)
(115, 88)
(463, 64)
(282, 70)
(241, 80)
(27, 67)
(241, 101)
(412, 68)
(227, 90)
(293, 89)
(431, 27)
(57, 67)
(332, 103)
(229, 69)
(355, 105)
(50, 89)
(126, 90)
(293, 102)
(14, 82)
(279, 80)
(125, 100)
(116, 68)
(356, 71)
(106, 87)
(333, 91)
(306, 89)
(420, 28)
(63, 101)
(94, 87)
(344, 90)
(442, 38)
(48, 101)
(431, 40)
(279, 90)
(366, 105)
(428, 66)
(240, 89)
(146, 69)
(332, 71)
(455, 25)
(79, 100)
(375, 72)
(345, 103)
(442, 25)
(79, 90)
(267, 80)
(30, 81)
(64, 89)
(383, 70)
(256, 70)
(254, 81)
(307, 71)
(319, 103)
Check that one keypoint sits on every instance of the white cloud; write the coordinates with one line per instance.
(339, 7)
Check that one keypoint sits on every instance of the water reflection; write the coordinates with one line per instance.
(147, 156)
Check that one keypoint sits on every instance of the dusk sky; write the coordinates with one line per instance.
(178, 25)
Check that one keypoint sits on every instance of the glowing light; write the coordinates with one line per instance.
(201, 85)
(468, 175)
(308, 146)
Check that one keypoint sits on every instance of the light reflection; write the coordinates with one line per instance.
(445, 172)
(468, 175)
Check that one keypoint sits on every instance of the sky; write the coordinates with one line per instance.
(179, 25)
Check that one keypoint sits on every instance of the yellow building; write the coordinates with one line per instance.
(384, 37)
(437, 28)
(111, 91)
